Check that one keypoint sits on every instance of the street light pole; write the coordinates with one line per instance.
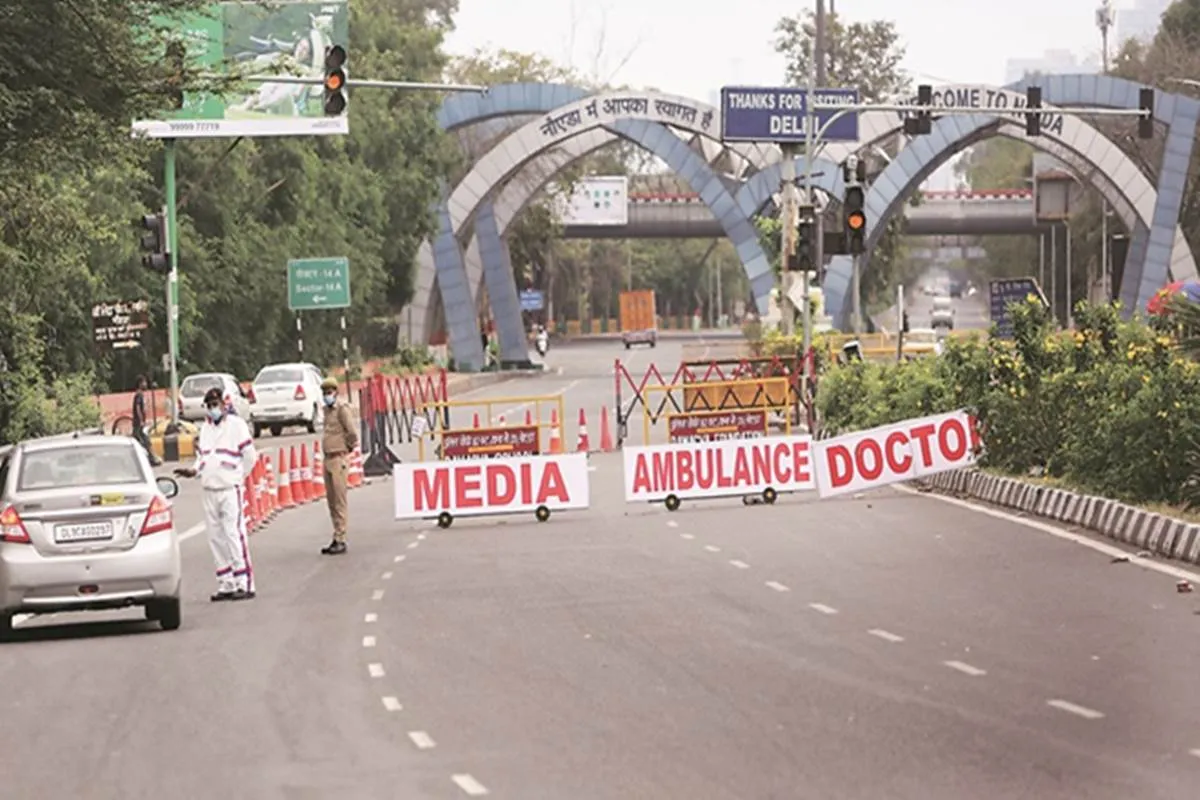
(1104, 20)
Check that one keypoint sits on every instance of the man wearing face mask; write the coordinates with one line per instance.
(224, 457)
(340, 440)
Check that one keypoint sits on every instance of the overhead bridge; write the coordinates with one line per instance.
(685, 216)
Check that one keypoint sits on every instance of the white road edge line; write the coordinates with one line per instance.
(739, 564)
(1037, 525)
(392, 704)
(965, 669)
(368, 641)
(469, 785)
(822, 608)
(377, 594)
(777, 586)
(422, 740)
(712, 549)
(375, 670)
(887, 636)
(1072, 708)
(370, 617)
(387, 576)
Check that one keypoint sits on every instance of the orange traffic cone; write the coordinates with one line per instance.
(272, 487)
(317, 492)
(257, 495)
(354, 477)
(583, 445)
(248, 515)
(305, 489)
(556, 445)
(528, 416)
(475, 423)
(285, 482)
(294, 476)
(501, 421)
(606, 439)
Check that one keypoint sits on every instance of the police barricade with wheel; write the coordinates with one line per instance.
(718, 452)
(491, 467)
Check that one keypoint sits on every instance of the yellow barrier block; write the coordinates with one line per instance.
(746, 394)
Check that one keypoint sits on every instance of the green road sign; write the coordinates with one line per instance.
(250, 38)
(318, 283)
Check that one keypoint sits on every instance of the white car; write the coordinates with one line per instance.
(194, 387)
(284, 395)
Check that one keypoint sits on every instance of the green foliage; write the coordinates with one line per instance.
(862, 55)
(1111, 407)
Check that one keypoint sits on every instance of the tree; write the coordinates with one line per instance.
(1181, 23)
(865, 55)
(1002, 163)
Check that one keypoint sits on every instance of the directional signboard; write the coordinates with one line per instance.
(1002, 293)
(318, 283)
(779, 114)
(532, 300)
(120, 325)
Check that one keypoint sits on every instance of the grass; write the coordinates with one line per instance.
(1165, 509)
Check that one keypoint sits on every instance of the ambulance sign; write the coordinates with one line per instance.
(729, 468)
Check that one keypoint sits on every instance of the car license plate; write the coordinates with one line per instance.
(90, 532)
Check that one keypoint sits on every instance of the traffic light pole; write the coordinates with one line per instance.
(172, 278)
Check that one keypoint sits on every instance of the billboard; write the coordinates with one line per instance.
(287, 37)
(780, 114)
(597, 200)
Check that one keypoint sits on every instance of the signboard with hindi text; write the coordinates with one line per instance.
(318, 283)
(712, 426)
(286, 37)
(120, 325)
(780, 114)
(517, 440)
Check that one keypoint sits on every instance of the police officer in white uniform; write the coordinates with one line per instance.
(224, 457)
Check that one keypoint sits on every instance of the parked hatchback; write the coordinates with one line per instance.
(286, 395)
(85, 525)
(194, 387)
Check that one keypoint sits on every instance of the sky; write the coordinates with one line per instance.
(694, 47)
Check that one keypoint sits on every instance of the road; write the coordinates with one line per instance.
(889, 645)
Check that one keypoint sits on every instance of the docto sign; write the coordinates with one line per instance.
(895, 453)
(490, 442)
(493, 486)
(718, 469)
(715, 425)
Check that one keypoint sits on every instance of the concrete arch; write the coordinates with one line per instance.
(639, 117)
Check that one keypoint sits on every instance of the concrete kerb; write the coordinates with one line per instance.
(1158, 534)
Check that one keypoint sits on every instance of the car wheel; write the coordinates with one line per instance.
(6, 626)
(257, 430)
(277, 430)
(312, 422)
(167, 612)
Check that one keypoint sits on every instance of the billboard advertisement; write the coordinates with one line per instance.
(287, 37)
(597, 200)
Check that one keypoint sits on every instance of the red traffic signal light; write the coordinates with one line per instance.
(856, 220)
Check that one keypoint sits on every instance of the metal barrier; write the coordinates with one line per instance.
(742, 408)
(492, 436)
(389, 408)
(710, 371)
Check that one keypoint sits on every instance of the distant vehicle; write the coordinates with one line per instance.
(941, 319)
(639, 318)
(85, 526)
(193, 388)
(956, 288)
(285, 395)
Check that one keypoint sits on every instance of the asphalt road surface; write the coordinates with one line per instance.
(891, 645)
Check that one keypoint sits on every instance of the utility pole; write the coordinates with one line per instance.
(172, 279)
(1105, 17)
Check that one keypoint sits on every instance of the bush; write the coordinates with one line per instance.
(1111, 407)
(406, 360)
(33, 408)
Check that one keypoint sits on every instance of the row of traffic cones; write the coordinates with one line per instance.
(293, 479)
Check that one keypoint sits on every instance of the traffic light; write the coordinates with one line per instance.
(854, 215)
(157, 255)
(335, 80)
(922, 122)
(806, 241)
(1146, 121)
(1033, 111)
(176, 53)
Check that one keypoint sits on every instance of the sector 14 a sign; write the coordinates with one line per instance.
(780, 114)
(318, 283)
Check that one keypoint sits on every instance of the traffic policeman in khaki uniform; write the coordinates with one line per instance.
(340, 440)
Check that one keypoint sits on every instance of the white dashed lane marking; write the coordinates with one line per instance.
(387, 576)
(1077, 710)
(375, 670)
(411, 545)
(420, 537)
(368, 641)
(392, 704)
(371, 617)
(712, 549)
(377, 594)
(687, 536)
(672, 523)
(739, 564)
(398, 559)
(885, 635)
(469, 785)
(965, 669)
(777, 586)
(422, 740)
(821, 608)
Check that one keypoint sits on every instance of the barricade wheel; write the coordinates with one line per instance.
(445, 519)
(542, 513)
(672, 502)
(769, 495)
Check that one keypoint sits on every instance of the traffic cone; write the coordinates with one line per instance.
(606, 439)
(304, 491)
(285, 482)
(248, 514)
(528, 416)
(556, 445)
(272, 487)
(257, 499)
(475, 424)
(355, 475)
(294, 476)
(318, 480)
(583, 445)
(501, 421)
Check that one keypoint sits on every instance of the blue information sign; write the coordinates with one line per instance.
(779, 114)
(532, 300)
(1002, 293)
